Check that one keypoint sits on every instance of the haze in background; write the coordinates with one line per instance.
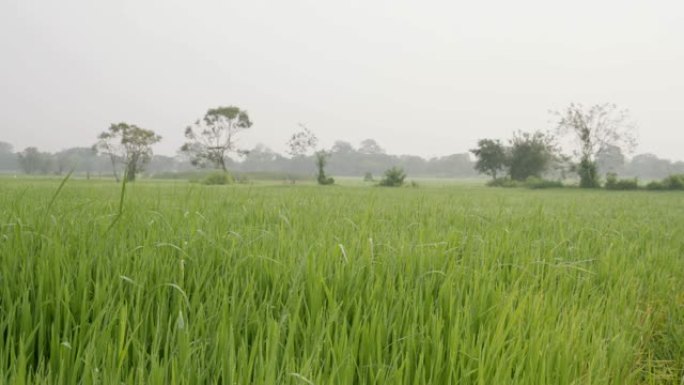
(426, 78)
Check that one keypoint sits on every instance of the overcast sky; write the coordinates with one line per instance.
(421, 77)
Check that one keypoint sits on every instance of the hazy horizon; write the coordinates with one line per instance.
(428, 79)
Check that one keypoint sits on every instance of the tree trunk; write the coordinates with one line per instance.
(131, 169)
(116, 176)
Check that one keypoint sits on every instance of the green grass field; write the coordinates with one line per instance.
(183, 283)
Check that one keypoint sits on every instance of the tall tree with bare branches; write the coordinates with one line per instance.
(594, 129)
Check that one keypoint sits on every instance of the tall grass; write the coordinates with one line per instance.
(300, 285)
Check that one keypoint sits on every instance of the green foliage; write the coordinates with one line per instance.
(504, 182)
(129, 145)
(394, 177)
(325, 180)
(530, 155)
(531, 182)
(211, 139)
(368, 177)
(655, 185)
(613, 183)
(588, 174)
(672, 182)
(218, 178)
(33, 161)
(491, 157)
(534, 182)
(321, 161)
(272, 285)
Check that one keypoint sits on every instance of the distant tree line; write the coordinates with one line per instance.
(344, 160)
(598, 139)
(601, 134)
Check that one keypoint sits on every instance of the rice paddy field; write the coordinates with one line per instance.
(179, 283)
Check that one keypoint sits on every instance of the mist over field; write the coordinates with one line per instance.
(363, 192)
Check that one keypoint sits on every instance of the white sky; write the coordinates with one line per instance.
(421, 77)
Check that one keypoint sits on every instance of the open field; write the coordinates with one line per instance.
(182, 283)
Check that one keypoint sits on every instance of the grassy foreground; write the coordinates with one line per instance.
(194, 284)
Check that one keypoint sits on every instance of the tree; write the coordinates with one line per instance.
(262, 158)
(212, 138)
(531, 154)
(321, 160)
(6, 148)
(75, 158)
(8, 159)
(33, 161)
(343, 148)
(300, 143)
(491, 157)
(129, 145)
(609, 159)
(649, 166)
(592, 129)
(370, 147)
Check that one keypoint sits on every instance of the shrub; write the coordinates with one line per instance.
(325, 180)
(539, 183)
(368, 177)
(674, 182)
(503, 182)
(218, 178)
(394, 177)
(321, 162)
(613, 183)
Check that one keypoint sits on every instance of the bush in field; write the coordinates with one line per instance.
(394, 177)
(368, 177)
(613, 183)
(503, 182)
(218, 178)
(672, 182)
(532, 182)
(321, 161)
(539, 183)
